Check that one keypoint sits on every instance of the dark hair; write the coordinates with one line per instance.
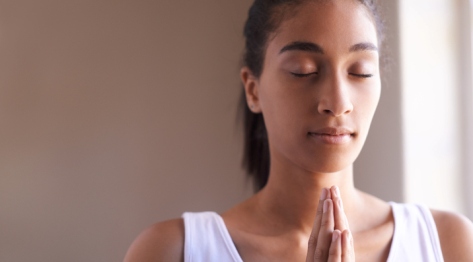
(264, 17)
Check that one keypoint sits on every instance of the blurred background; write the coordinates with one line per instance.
(118, 114)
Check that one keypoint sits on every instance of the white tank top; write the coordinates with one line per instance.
(415, 237)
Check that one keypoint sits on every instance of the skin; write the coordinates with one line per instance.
(300, 92)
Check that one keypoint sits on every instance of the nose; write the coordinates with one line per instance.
(334, 98)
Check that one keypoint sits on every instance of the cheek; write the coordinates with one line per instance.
(284, 109)
(280, 100)
(279, 113)
(366, 103)
(374, 96)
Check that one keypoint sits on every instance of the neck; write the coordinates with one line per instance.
(293, 199)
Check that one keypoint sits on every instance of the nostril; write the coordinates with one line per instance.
(327, 111)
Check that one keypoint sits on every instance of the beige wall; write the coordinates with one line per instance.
(114, 115)
(117, 114)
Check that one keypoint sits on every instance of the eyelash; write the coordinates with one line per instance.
(361, 75)
(304, 75)
(316, 73)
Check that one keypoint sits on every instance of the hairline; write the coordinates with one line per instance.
(284, 15)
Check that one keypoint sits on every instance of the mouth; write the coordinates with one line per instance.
(333, 135)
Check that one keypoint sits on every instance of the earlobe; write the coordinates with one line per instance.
(250, 83)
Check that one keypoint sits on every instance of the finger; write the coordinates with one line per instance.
(335, 253)
(325, 233)
(341, 221)
(316, 227)
(348, 250)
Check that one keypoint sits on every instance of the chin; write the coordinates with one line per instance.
(330, 163)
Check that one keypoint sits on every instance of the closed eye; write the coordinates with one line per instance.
(304, 75)
(361, 75)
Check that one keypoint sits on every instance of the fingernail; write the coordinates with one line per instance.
(335, 191)
(335, 235)
(340, 204)
(326, 205)
(323, 195)
(348, 238)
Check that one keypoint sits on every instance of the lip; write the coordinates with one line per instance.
(333, 135)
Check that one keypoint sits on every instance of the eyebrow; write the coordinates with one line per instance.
(302, 46)
(315, 48)
(363, 47)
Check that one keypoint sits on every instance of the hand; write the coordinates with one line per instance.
(330, 239)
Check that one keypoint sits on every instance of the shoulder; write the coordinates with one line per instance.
(163, 241)
(455, 234)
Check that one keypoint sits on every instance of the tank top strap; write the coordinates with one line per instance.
(415, 234)
(207, 239)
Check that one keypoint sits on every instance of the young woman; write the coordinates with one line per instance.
(312, 83)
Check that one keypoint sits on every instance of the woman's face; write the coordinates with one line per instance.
(320, 85)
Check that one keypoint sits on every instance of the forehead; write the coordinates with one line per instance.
(334, 25)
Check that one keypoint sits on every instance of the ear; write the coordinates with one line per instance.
(251, 85)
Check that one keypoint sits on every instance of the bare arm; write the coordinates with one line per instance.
(456, 235)
(162, 242)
